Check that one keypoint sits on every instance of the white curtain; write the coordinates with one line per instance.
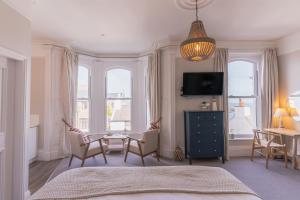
(154, 86)
(221, 65)
(270, 100)
(69, 72)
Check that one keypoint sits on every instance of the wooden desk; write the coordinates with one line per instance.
(290, 133)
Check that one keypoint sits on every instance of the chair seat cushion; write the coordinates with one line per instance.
(134, 147)
(95, 149)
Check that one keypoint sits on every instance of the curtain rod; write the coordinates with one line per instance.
(94, 56)
(58, 46)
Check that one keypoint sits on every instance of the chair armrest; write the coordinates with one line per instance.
(95, 138)
(96, 134)
(136, 135)
(136, 139)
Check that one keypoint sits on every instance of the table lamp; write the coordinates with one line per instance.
(280, 113)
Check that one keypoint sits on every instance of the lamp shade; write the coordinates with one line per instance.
(280, 112)
(197, 46)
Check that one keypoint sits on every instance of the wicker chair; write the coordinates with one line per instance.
(267, 141)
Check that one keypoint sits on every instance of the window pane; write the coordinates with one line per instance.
(242, 117)
(118, 83)
(241, 78)
(83, 82)
(118, 115)
(82, 115)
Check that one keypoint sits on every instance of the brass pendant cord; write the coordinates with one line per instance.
(197, 10)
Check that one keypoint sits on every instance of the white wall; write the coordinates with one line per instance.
(15, 30)
(45, 91)
(187, 103)
(289, 70)
(23, 7)
(37, 103)
(16, 36)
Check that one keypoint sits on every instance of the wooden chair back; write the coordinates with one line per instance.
(268, 137)
(150, 139)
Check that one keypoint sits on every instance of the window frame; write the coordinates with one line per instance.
(110, 98)
(89, 94)
(256, 70)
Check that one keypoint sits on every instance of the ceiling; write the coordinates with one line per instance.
(132, 26)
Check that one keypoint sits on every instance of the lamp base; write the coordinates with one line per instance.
(280, 123)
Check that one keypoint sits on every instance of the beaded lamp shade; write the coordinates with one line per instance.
(198, 46)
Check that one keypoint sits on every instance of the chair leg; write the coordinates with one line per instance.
(70, 162)
(142, 157)
(126, 154)
(104, 156)
(103, 151)
(267, 158)
(127, 150)
(82, 163)
(252, 153)
(272, 154)
(157, 156)
(141, 153)
(285, 157)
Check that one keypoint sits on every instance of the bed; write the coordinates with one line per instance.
(146, 183)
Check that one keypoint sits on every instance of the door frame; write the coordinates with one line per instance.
(20, 171)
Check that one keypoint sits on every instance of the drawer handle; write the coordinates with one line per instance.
(215, 124)
(199, 141)
(215, 150)
(199, 150)
(198, 125)
(215, 140)
(198, 132)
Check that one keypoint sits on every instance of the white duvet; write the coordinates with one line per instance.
(155, 183)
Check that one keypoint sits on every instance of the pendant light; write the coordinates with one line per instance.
(198, 46)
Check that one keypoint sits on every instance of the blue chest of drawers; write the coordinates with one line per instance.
(204, 134)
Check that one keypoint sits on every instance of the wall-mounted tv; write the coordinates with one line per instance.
(203, 83)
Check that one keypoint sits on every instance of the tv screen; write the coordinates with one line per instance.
(204, 83)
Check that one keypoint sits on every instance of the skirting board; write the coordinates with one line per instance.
(27, 195)
(167, 153)
(47, 155)
(234, 151)
(239, 151)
